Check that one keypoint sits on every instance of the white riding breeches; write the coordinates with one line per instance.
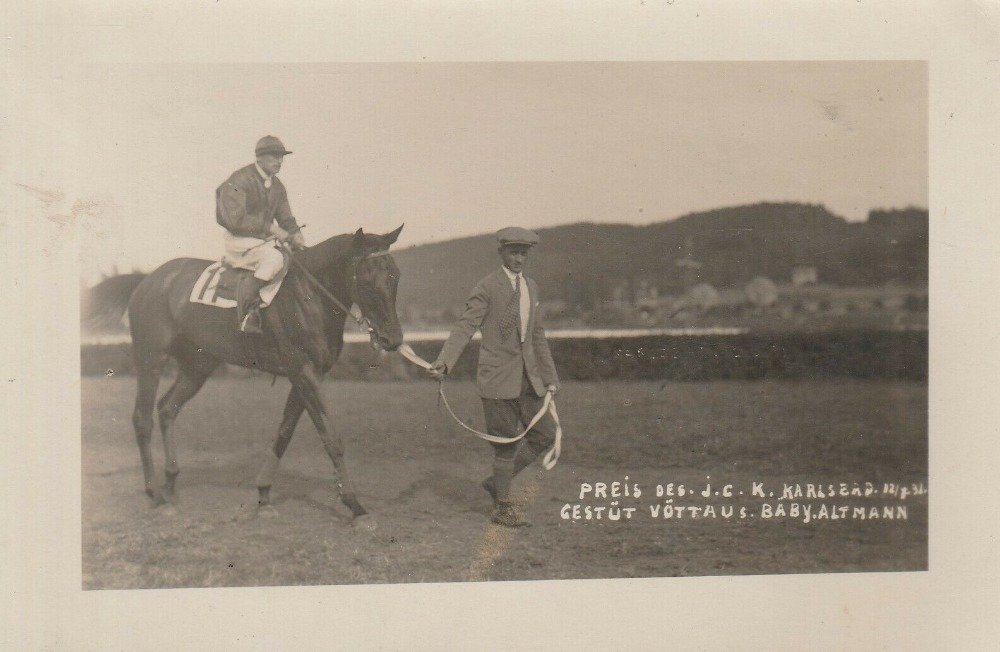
(260, 256)
(254, 254)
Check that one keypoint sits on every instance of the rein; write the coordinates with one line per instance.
(361, 320)
(548, 405)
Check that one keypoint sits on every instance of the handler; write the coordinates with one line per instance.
(252, 205)
(515, 366)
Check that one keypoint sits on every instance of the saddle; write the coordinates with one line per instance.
(218, 284)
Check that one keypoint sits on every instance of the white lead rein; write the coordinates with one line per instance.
(548, 405)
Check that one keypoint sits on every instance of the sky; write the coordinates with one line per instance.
(456, 149)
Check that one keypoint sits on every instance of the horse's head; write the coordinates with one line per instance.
(376, 278)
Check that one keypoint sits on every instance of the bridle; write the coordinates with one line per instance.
(363, 322)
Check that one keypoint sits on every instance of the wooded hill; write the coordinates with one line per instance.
(585, 263)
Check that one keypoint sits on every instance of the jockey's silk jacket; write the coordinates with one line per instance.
(246, 208)
(503, 359)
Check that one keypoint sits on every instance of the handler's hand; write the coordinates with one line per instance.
(438, 370)
(552, 389)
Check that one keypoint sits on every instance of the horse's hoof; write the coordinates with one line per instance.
(157, 498)
(364, 523)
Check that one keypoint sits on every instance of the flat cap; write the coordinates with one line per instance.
(270, 145)
(517, 235)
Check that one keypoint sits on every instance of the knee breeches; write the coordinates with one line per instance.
(254, 254)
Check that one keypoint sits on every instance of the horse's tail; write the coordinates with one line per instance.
(103, 305)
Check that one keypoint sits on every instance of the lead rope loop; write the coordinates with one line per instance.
(548, 405)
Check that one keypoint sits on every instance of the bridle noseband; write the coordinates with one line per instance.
(361, 319)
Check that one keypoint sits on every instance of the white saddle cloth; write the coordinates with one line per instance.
(206, 289)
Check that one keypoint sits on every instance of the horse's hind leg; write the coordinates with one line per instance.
(191, 375)
(168, 408)
(142, 420)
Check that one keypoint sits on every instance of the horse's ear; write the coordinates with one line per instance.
(358, 244)
(390, 238)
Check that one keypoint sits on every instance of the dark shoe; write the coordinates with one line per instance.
(504, 514)
(490, 489)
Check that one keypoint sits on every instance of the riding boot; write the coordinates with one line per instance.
(248, 300)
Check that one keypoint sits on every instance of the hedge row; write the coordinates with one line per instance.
(852, 354)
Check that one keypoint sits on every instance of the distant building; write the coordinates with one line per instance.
(804, 275)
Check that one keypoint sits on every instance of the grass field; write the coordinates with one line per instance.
(419, 474)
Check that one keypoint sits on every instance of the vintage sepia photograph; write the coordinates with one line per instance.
(664, 324)
(369, 323)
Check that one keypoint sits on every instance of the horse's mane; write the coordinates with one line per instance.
(304, 322)
(320, 257)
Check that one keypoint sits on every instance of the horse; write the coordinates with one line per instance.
(303, 336)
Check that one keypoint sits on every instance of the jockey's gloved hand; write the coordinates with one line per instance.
(279, 233)
(297, 241)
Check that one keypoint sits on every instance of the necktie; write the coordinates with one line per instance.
(511, 318)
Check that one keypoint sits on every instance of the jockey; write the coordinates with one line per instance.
(252, 205)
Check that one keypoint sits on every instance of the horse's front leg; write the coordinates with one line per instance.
(307, 383)
(294, 407)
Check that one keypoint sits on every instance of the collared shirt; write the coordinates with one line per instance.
(263, 175)
(525, 306)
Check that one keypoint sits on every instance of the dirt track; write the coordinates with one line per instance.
(419, 477)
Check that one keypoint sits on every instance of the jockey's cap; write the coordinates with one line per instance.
(516, 235)
(270, 145)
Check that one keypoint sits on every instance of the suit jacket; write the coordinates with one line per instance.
(503, 360)
(246, 208)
